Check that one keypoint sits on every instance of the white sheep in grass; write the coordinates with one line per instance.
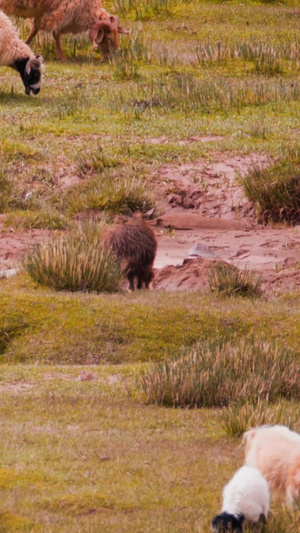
(245, 497)
(68, 16)
(275, 451)
(16, 54)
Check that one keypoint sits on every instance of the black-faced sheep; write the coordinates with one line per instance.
(245, 497)
(134, 243)
(68, 16)
(16, 54)
(275, 451)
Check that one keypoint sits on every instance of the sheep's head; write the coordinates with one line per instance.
(226, 522)
(31, 72)
(34, 71)
(105, 34)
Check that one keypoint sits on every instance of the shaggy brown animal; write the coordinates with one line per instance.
(69, 16)
(134, 243)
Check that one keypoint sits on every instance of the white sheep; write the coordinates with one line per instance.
(68, 16)
(16, 54)
(275, 451)
(245, 497)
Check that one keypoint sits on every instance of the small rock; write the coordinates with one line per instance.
(201, 250)
(188, 203)
(175, 199)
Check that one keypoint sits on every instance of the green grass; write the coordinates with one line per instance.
(80, 449)
(81, 454)
(85, 329)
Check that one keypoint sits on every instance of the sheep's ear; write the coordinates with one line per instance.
(41, 61)
(122, 30)
(40, 58)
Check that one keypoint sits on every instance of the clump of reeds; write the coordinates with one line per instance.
(276, 190)
(227, 280)
(74, 263)
(238, 418)
(221, 375)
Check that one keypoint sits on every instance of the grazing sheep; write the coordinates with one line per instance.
(275, 451)
(134, 243)
(245, 497)
(68, 16)
(16, 54)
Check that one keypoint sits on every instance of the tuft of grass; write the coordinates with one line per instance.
(276, 190)
(217, 375)
(43, 219)
(94, 160)
(239, 418)
(115, 196)
(5, 191)
(10, 329)
(70, 263)
(227, 280)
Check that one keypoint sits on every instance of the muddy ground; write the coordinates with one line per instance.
(205, 217)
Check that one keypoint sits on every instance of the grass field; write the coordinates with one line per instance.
(82, 450)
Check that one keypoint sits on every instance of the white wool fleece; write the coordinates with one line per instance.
(11, 46)
(247, 493)
(275, 451)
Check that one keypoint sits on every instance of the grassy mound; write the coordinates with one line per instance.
(223, 374)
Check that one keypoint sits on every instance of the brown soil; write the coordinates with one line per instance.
(204, 206)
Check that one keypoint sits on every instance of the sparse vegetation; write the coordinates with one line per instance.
(217, 375)
(227, 280)
(276, 190)
(122, 195)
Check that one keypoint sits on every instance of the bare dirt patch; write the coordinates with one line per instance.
(203, 203)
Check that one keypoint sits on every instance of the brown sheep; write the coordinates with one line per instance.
(135, 245)
(68, 16)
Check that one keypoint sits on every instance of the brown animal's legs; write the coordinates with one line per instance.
(60, 55)
(34, 30)
(140, 283)
(148, 277)
(130, 278)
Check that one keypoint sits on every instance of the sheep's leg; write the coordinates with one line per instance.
(59, 53)
(34, 30)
